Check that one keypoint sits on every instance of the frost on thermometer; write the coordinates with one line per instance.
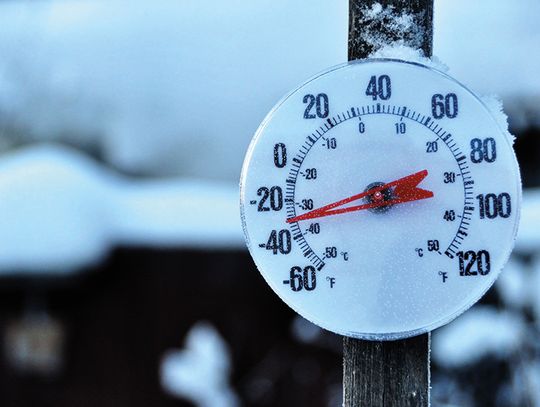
(380, 199)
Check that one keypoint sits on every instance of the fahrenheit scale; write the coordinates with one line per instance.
(380, 199)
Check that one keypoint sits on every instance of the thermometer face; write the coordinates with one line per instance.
(380, 199)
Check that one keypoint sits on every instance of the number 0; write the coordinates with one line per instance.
(280, 155)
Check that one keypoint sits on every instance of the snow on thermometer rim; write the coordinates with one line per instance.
(408, 108)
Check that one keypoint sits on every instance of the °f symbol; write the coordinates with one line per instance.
(332, 281)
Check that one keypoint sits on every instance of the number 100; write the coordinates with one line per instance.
(491, 206)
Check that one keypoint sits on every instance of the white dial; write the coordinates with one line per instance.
(380, 199)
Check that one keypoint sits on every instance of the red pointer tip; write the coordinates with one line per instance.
(404, 190)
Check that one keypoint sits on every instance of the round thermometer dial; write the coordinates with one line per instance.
(380, 199)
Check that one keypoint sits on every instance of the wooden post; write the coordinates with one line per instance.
(386, 374)
(392, 373)
(371, 25)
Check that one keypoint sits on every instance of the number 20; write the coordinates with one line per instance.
(321, 106)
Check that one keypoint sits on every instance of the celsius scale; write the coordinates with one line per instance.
(380, 199)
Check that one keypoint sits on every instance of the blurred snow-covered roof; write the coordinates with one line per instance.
(162, 87)
(64, 211)
(179, 88)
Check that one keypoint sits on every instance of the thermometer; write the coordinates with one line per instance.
(380, 199)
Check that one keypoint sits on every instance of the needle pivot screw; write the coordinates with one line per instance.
(379, 197)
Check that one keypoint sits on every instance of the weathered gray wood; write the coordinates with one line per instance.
(386, 374)
(368, 30)
(392, 373)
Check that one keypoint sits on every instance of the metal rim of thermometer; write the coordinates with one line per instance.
(380, 199)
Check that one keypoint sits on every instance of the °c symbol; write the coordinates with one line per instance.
(420, 252)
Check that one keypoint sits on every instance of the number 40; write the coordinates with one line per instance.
(379, 87)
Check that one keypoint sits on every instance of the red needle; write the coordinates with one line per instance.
(405, 190)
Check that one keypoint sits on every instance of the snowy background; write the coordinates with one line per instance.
(123, 126)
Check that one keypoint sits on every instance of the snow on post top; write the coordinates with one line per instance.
(405, 53)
